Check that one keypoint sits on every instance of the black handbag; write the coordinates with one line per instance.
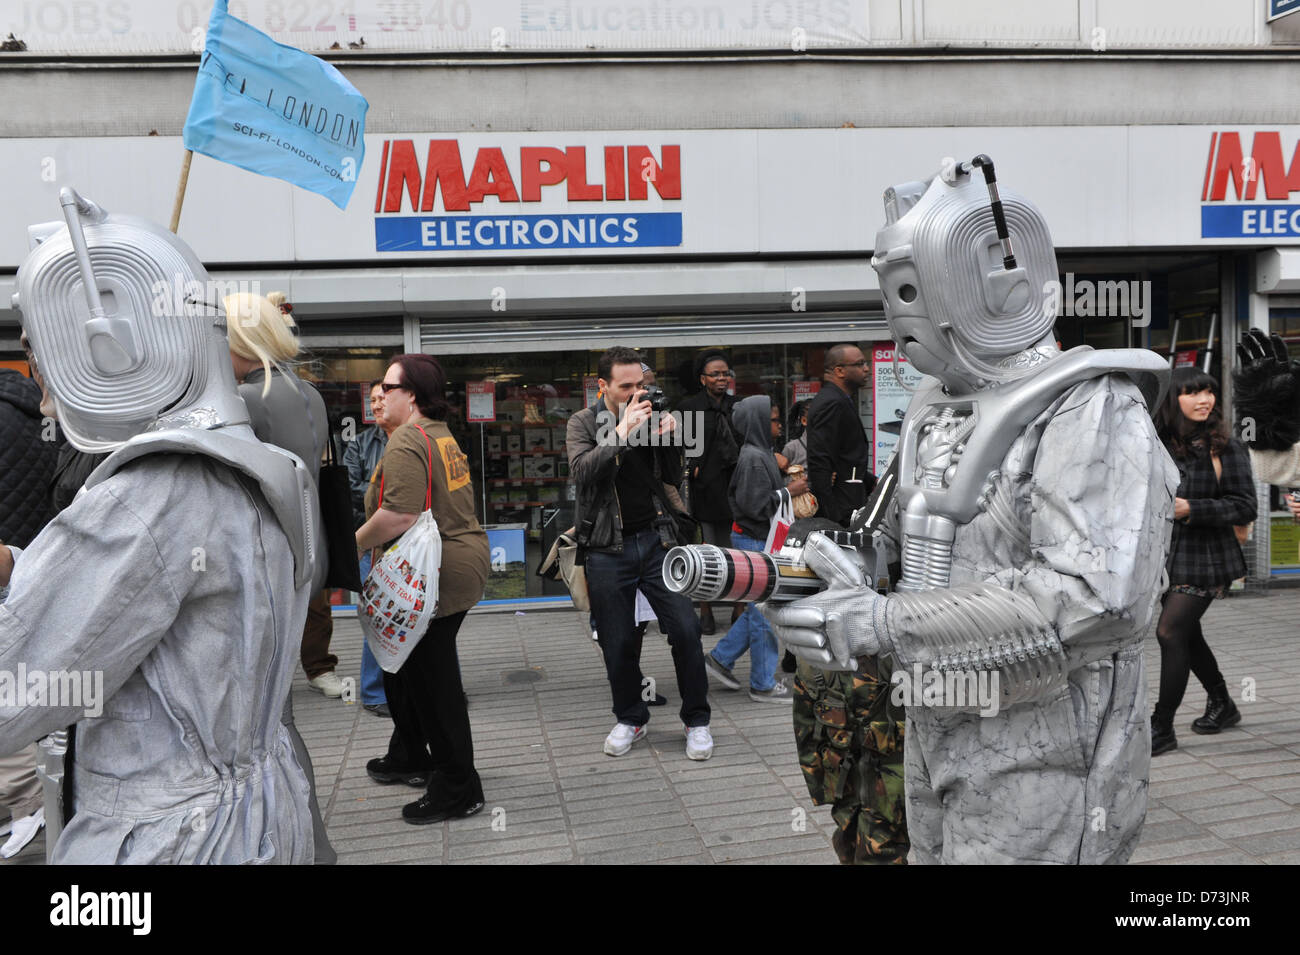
(338, 526)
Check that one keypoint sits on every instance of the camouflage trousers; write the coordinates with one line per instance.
(850, 742)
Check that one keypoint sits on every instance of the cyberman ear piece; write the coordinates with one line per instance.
(112, 344)
(1007, 289)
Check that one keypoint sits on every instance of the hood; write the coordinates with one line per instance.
(752, 418)
(21, 392)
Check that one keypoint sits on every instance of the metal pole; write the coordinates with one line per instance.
(1173, 343)
(1209, 343)
(482, 457)
(50, 771)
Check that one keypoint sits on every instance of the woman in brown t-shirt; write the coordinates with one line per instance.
(431, 743)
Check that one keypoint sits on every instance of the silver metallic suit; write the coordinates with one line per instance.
(180, 576)
(1032, 520)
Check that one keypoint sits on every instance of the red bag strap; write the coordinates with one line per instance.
(428, 494)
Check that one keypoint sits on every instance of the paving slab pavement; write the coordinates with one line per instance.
(540, 708)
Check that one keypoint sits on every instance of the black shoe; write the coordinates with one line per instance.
(708, 627)
(379, 709)
(428, 809)
(1162, 736)
(382, 771)
(659, 700)
(1220, 713)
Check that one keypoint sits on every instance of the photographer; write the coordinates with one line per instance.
(624, 527)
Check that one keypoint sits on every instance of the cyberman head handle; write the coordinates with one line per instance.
(962, 272)
(124, 345)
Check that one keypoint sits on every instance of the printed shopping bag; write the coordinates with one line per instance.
(779, 528)
(400, 596)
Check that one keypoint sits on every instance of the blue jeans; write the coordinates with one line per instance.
(751, 633)
(612, 582)
(372, 677)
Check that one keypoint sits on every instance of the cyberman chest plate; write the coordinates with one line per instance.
(951, 447)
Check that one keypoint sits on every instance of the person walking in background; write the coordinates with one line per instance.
(1216, 491)
(710, 472)
(755, 494)
(362, 460)
(289, 413)
(432, 745)
(839, 459)
(293, 418)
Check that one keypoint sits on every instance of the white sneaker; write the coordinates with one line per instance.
(25, 830)
(621, 738)
(699, 742)
(327, 683)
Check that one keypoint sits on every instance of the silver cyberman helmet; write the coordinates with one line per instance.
(115, 309)
(963, 275)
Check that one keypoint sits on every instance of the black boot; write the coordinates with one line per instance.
(1162, 735)
(1220, 712)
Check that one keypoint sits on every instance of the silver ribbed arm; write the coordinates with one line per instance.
(975, 627)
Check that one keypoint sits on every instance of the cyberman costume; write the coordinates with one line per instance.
(1032, 519)
(182, 573)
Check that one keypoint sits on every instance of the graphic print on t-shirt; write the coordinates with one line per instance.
(455, 463)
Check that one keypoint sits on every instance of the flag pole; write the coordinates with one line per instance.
(180, 190)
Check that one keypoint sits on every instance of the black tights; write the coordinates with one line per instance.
(1182, 648)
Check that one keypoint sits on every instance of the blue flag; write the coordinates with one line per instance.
(276, 111)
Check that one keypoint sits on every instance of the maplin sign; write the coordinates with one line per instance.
(1263, 170)
(621, 181)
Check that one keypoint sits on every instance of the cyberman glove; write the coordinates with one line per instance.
(964, 629)
(1266, 393)
(832, 628)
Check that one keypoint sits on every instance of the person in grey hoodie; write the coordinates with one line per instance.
(754, 494)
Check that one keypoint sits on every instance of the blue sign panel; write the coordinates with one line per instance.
(1270, 222)
(527, 233)
(1280, 8)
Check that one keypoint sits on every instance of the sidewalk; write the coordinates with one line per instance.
(539, 705)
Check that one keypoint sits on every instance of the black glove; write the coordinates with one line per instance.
(1266, 389)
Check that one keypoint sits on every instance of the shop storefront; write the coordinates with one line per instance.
(516, 258)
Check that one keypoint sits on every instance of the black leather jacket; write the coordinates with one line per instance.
(594, 458)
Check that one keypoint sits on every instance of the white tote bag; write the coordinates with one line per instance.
(400, 595)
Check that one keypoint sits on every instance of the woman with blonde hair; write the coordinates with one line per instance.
(288, 412)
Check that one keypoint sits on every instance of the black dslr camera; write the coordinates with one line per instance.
(655, 395)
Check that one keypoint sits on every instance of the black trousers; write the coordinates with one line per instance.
(430, 720)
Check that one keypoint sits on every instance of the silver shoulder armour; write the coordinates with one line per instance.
(952, 445)
(283, 479)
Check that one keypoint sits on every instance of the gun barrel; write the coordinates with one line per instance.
(707, 572)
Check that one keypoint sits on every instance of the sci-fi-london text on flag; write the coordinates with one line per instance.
(275, 110)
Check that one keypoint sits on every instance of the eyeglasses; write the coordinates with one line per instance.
(719, 375)
(388, 386)
(852, 364)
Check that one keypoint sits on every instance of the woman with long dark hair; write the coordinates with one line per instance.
(1216, 491)
(431, 746)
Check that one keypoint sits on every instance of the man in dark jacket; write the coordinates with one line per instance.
(617, 465)
(839, 460)
(711, 472)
